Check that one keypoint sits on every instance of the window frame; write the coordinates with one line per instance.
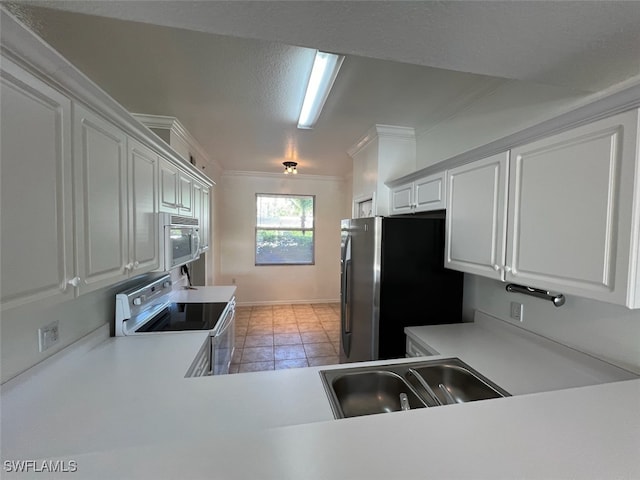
(259, 228)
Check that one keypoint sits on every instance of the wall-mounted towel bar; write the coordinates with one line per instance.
(556, 298)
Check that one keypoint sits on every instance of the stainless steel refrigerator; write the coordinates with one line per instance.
(392, 276)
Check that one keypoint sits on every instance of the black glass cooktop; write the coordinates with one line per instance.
(185, 316)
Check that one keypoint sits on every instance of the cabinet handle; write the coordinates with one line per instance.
(128, 267)
(74, 282)
(136, 264)
(497, 268)
(507, 268)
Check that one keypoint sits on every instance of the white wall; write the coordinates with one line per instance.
(280, 284)
(509, 108)
(606, 331)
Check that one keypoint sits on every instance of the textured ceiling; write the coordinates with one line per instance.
(231, 74)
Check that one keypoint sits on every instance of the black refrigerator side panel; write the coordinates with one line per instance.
(416, 289)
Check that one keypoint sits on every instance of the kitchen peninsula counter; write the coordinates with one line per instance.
(123, 409)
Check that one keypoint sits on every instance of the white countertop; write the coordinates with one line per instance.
(517, 360)
(124, 410)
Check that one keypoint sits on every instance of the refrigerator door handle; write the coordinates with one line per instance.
(345, 318)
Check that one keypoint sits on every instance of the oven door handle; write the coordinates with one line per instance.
(226, 322)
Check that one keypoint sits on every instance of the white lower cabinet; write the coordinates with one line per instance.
(573, 213)
(37, 212)
(416, 350)
(476, 216)
(422, 195)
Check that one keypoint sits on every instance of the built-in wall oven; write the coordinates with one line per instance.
(152, 309)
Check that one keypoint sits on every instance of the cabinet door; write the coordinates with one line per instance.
(570, 217)
(402, 199)
(476, 214)
(100, 200)
(205, 224)
(143, 208)
(197, 205)
(185, 194)
(169, 190)
(429, 193)
(37, 215)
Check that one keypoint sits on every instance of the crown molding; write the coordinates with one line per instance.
(166, 122)
(617, 99)
(381, 131)
(282, 176)
(27, 50)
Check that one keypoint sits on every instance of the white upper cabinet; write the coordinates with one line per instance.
(185, 183)
(422, 195)
(100, 168)
(169, 189)
(573, 211)
(205, 223)
(476, 216)
(201, 212)
(176, 189)
(116, 206)
(143, 208)
(37, 213)
(571, 207)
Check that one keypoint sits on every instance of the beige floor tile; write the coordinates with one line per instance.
(286, 338)
(234, 368)
(281, 320)
(257, 322)
(310, 327)
(255, 367)
(260, 330)
(237, 355)
(257, 354)
(286, 328)
(319, 349)
(317, 361)
(314, 337)
(258, 341)
(242, 322)
(291, 363)
(288, 352)
(239, 341)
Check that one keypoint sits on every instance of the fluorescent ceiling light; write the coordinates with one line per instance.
(323, 74)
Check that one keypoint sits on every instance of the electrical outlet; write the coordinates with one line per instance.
(48, 336)
(516, 311)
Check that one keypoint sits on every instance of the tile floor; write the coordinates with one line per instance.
(286, 336)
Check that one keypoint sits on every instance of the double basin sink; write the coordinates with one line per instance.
(369, 390)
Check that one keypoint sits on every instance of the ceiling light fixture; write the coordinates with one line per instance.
(290, 167)
(323, 74)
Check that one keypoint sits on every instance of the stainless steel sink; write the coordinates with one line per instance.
(379, 391)
(356, 391)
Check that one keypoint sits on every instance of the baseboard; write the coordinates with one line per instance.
(286, 302)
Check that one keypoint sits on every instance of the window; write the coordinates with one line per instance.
(285, 232)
